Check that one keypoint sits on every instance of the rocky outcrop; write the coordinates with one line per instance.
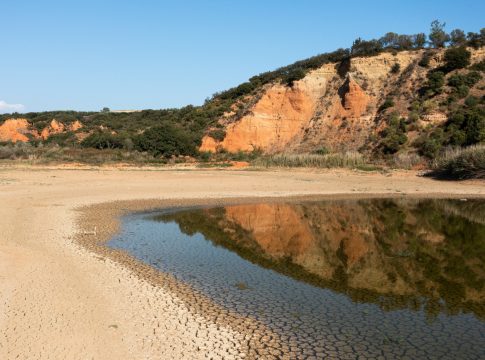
(280, 115)
(284, 115)
(55, 127)
(434, 118)
(16, 130)
(355, 100)
(76, 125)
(21, 130)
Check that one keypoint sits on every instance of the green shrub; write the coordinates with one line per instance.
(244, 155)
(461, 84)
(413, 117)
(466, 126)
(429, 145)
(205, 156)
(456, 58)
(62, 139)
(166, 140)
(480, 66)
(388, 103)
(471, 122)
(238, 91)
(40, 125)
(394, 135)
(456, 136)
(462, 91)
(476, 40)
(424, 62)
(471, 101)
(395, 68)
(217, 134)
(293, 75)
(322, 151)
(436, 80)
(470, 79)
(102, 140)
(362, 47)
(392, 142)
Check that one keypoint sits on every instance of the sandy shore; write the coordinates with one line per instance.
(61, 301)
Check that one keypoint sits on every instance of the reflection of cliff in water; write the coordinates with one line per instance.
(396, 253)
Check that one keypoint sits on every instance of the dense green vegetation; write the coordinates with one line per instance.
(457, 58)
(466, 113)
(131, 130)
(394, 135)
(166, 140)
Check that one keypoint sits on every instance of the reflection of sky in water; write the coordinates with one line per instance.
(307, 314)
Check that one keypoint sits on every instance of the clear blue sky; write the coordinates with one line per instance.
(87, 54)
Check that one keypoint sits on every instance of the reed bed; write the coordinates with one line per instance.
(461, 163)
(343, 160)
(407, 161)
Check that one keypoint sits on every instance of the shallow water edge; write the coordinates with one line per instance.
(106, 219)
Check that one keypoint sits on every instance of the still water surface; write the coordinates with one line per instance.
(342, 278)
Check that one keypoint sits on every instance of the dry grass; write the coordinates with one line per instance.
(344, 160)
(54, 154)
(461, 163)
(407, 160)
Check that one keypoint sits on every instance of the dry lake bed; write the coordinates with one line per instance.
(111, 264)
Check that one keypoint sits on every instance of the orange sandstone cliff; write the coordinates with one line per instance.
(335, 106)
(20, 129)
(15, 130)
(56, 127)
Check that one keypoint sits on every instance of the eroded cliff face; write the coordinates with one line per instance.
(56, 127)
(280, 115)
(16, 130)
(335, 106)
(20, 129)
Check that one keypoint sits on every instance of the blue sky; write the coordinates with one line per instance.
(84, 55)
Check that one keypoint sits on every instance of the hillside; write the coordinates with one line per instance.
(344, 110)
(379, 98)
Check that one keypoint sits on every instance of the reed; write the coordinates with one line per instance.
(461, 163)
(343, 160)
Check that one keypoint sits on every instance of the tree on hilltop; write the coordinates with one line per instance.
(437, 36)
(457, 37)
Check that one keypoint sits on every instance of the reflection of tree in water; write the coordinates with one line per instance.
(446, 270)
(430, 252)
